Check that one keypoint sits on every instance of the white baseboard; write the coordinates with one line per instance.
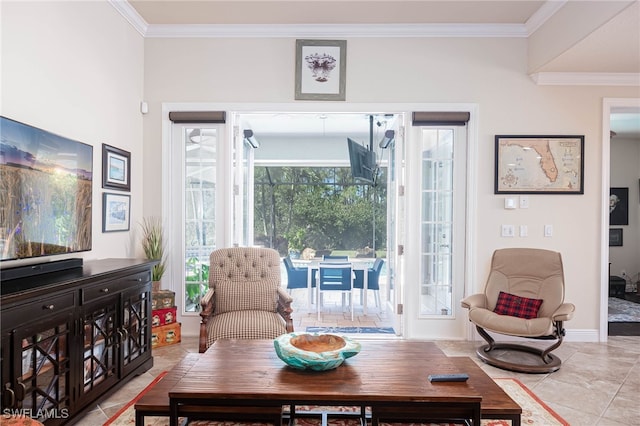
(582, 335)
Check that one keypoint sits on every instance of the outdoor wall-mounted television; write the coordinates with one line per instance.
(45, 192)
(363, 162)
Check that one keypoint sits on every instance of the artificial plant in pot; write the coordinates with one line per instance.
(153, 246)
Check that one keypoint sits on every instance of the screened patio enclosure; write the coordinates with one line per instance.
(305, 194)
(306, 202)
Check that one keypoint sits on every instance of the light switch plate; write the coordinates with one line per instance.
(508, 231)
(509, 203)
(524, 231)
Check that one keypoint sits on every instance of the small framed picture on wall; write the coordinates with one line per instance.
(116, 168)
(116, 209)
(619, 206)
(321, 70)
(615, 237)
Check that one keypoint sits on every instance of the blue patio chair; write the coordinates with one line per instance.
(373, 280)
(334, 276)
(334, 258)
(296, 276)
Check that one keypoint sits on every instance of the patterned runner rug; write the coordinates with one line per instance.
(534, 412)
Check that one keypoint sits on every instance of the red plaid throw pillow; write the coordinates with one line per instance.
(516, 306)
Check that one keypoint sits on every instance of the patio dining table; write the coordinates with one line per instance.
(362, 264)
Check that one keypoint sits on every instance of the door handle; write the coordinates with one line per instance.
(20, 391)
(9, 397)
(125, 335)
(120, 337)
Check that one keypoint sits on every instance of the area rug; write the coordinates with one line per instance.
(127, 414)
(621, 310)
(534, 412)
(350, 330)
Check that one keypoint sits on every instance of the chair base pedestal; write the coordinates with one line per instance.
(517, 358)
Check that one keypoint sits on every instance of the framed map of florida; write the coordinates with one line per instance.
(539, 164)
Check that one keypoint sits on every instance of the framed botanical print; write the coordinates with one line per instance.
(321, 67)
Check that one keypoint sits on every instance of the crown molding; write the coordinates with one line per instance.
(542, 15)
(131, 15)
(338, 30)
(586, 79)
(546, 11)
(315, 30)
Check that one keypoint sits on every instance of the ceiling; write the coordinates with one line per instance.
(607, 46)
(333, 11)
(321, 124)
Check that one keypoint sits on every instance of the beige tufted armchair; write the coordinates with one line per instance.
(523, 297)
(245, 300)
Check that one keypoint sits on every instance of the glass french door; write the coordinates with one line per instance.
(243, 159)
(395, 230)
(437, 254)
(195, 186)
(439, 214)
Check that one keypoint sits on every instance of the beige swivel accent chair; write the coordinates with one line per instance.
(245, 299)
(521, 281)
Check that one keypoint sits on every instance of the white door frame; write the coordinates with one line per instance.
(405, 108)
(607, 105)
(456, 327)
(173, 220)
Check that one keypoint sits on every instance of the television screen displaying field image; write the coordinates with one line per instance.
(363, 162)
(45, 192)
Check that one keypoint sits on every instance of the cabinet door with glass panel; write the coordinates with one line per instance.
(136, 315)
(100, 342)
(36, 366)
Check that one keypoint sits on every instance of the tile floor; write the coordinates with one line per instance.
(598, 384)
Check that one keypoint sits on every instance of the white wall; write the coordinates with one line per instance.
(76, 69)
(489, 72)
(625, 173)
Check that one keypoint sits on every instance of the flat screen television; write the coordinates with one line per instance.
(45, 192)
(363, 162)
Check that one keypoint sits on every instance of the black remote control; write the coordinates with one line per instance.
(461, 377)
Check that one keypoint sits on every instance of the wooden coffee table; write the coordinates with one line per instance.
(390, 374)
(155, 402)
(496, 404)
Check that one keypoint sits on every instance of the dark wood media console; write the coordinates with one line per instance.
(72, 336)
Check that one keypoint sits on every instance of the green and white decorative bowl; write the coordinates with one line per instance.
(319, 352)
